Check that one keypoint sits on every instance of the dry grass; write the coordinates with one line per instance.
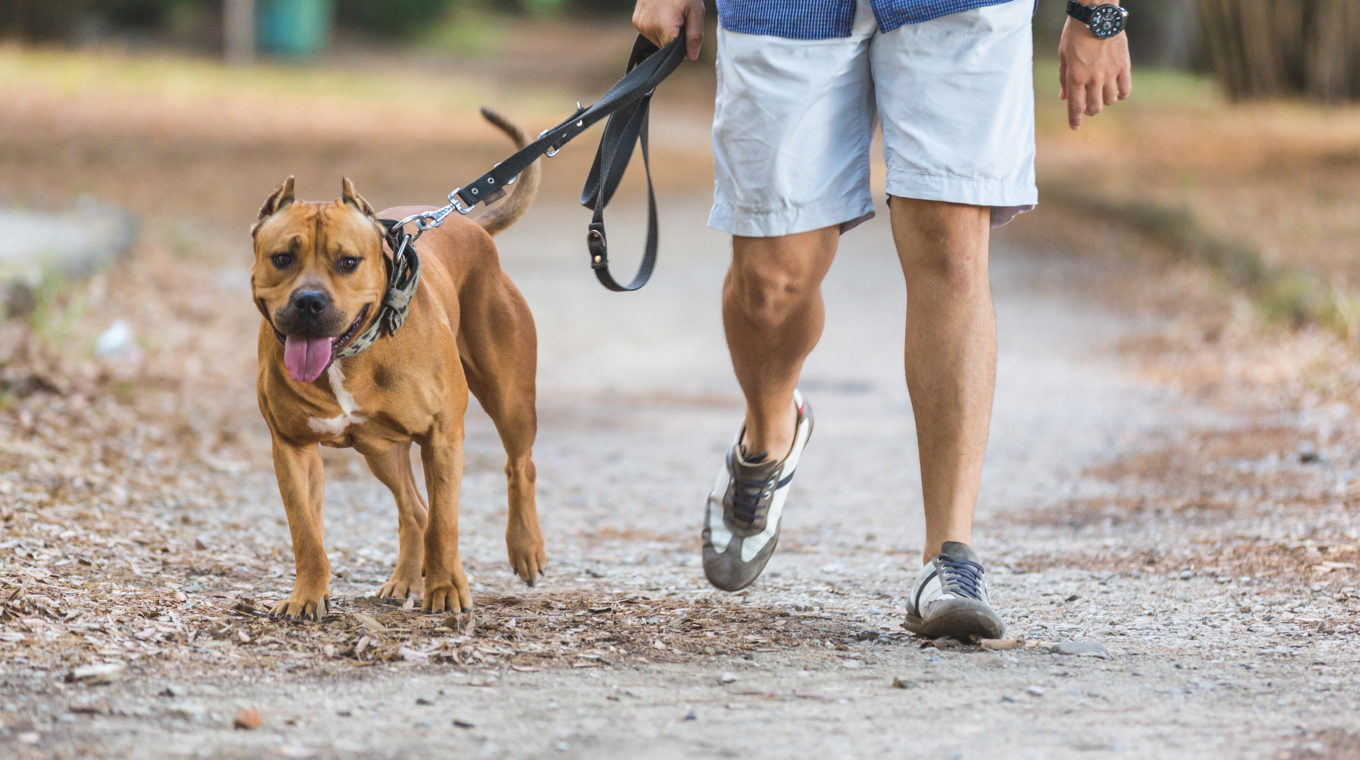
(1256, 186)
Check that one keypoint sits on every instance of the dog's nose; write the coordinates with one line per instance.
(310, 302)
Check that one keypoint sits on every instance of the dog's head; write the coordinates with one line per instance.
(319, 274)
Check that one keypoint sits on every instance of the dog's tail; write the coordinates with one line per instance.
(508, 211)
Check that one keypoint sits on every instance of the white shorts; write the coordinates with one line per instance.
(794, 120)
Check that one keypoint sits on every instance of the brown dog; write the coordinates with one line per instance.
(319, 277)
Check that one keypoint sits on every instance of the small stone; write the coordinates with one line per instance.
(690, 715)
(903, 683)
(1081, 649)
(424, 701)
(1035, 691)
(171, 690)
(247, 719)
(199, 544)
(852, 664)
(459, 723)
(29, 737)
(1308, 453)
(727, 678)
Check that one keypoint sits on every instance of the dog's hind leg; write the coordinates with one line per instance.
(499, 349)
(301, 477)
(393, 469)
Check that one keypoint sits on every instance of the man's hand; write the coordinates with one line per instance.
(660, 22)
(1094, 73)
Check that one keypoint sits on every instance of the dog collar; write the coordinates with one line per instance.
(403, 275)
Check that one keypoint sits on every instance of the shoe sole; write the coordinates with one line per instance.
(726, 584)
(958, 619)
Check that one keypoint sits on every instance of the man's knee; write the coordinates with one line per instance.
(767, 296)
(942, 245)
(774, 279)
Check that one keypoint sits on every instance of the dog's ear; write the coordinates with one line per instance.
(276, 201)
(351, 198)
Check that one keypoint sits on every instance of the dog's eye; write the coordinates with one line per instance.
(348, 263)
(282, 260)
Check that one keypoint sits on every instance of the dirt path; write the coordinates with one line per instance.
(1214, 569)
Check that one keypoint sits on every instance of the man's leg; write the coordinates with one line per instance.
(773, 315)
(951, 371)
(772, 311)
(950, 355)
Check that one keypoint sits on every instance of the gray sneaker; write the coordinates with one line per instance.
(949, 598)
(741, 528)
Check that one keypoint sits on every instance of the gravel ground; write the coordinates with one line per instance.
(1167, 523)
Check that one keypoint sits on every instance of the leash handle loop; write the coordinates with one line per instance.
(626, 105)
(625, 131)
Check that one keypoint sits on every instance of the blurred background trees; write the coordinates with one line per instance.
(1269, 48)
(1255, 48)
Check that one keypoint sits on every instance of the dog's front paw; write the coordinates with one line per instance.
(402, 586)
(302, 606)
(527, 556)
(446, 590)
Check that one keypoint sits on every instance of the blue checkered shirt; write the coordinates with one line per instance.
(822, 19)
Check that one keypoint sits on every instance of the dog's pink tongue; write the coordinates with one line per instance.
(306, 356)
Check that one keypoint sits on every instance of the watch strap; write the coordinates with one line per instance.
(1079, 11)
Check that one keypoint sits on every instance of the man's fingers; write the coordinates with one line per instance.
(1110, 94)
(644, 27)
(657, 29)
(1125, 83)
(1076, 104)
(694, 31)
(1094, 99)
(1062, 78)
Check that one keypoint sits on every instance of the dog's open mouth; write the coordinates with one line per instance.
(306, 355)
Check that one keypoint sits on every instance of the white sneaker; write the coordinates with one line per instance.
(741, 527)
(949, 598)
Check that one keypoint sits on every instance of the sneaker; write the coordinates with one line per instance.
(741, 528)
(949, 598)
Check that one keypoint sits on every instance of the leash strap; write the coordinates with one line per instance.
(626, 104)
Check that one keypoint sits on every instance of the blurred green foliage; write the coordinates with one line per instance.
(142, 14)
(394, 18)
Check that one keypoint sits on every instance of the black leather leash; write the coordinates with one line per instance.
(626, 104)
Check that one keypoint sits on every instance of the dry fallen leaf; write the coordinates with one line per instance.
(1000, 644)
(248, 719)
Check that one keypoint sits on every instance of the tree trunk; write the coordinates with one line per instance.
(1273, 48)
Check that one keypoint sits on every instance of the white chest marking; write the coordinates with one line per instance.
(349, 409)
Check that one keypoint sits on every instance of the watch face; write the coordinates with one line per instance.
(1106, 21)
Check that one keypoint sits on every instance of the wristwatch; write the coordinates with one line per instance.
(1105, 21)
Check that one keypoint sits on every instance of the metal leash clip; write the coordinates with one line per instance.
(428, 219)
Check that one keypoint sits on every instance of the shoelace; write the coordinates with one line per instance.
(747, 503)
(960, 577)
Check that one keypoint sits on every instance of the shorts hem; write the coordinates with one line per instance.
(1006, 199)
(787, 221)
